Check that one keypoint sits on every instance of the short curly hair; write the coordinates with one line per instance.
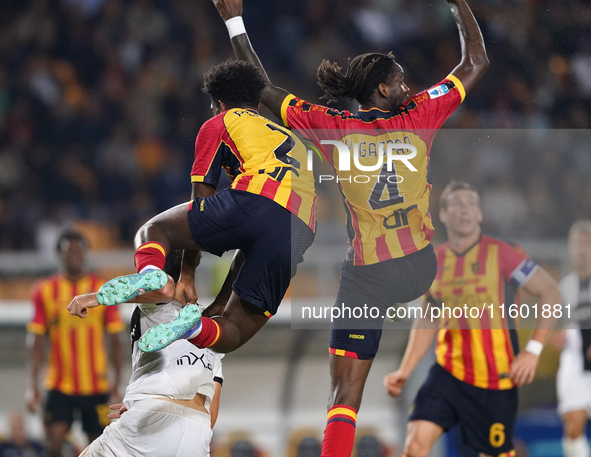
(236, 83)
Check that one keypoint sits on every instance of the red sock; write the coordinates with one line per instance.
(209, 335)
(150, 253)
(339, 435)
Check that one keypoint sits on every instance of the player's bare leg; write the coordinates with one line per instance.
(170, 229)
(56, 435)
(348, 378)
(574, 441)
(420, 437)
(161, 234)
(239, 322)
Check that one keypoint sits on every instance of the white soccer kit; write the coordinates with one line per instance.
(153, 427)
(573, 380)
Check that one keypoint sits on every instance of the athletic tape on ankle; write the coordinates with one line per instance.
(235, 26)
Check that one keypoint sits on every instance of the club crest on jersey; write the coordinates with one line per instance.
(475, 267)
(438, 91)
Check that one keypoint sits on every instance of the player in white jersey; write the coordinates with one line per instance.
(573, 381)
(172, 399)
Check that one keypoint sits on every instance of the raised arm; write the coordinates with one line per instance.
(231, 10)
(474, 60)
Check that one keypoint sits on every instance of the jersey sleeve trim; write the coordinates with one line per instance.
(197, 178)
(284, 106)
(459, 85)
(219, 380)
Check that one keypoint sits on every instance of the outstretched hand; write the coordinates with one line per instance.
(80, 304)
(228, 8)
(120, 408)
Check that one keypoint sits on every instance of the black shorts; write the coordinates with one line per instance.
(378, 286)
(92, 410)
(486, 417)
(272, 239)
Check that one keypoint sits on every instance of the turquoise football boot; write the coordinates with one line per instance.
(184, 325)
(124, 288)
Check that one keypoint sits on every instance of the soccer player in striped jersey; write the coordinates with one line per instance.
(390, 259)
(77, 370)
(266, 214)
(479, 365)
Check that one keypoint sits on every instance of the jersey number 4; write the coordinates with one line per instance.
(377, 200)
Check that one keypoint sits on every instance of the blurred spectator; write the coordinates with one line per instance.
(97, 97)
(303, 442)
(237, 443)
(309, 447)
(18, 444)
(367, 444)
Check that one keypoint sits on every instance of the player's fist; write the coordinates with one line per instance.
(185, 291)
(394, 382)
(33, 399)
(80, 304)
(228, 8)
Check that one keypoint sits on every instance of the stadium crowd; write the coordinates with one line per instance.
(100, 100)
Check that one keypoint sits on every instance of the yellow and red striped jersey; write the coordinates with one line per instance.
(260, 157)
(387, 209)
(479, 350)
(77, 359)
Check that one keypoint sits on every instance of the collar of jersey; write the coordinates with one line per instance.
(373, 114)
(460, 254)
(245, 109)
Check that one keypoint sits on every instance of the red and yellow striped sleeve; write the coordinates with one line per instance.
(38, 325)
(211, 152)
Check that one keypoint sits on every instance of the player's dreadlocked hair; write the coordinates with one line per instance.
(236, 83)
(364, 74)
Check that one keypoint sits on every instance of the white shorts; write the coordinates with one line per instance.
(573, 383)
(155, 428)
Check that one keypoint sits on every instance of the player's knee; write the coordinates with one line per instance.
(573, 429)
(168, 290)
(416, 448)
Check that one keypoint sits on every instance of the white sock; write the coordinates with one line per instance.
(148, 268)
(579, 447)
